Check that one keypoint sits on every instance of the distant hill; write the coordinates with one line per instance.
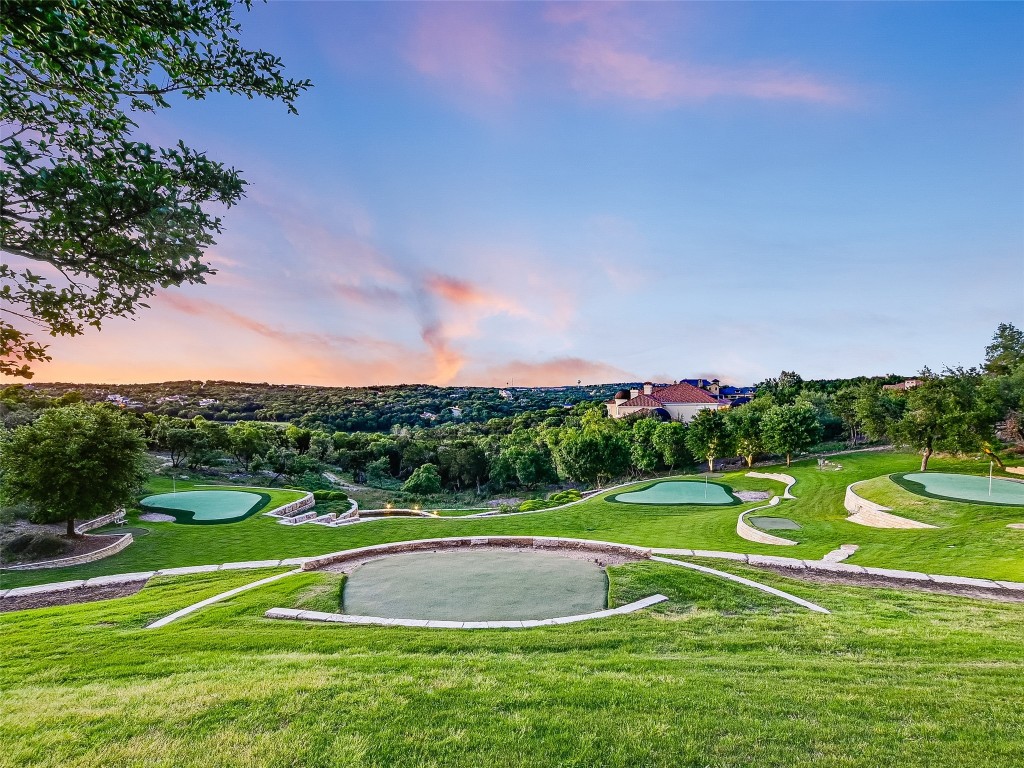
(350, 409)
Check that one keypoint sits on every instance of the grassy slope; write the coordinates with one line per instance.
(969, 546)
(717, 677)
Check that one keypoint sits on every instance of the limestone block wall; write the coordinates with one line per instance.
(787, 480)
(750, 533)
(99, 522)
(293, 507)
(89, 557)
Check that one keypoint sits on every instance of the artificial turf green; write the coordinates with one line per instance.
(973, 542)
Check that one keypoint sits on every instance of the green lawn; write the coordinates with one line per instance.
(973, 543)
(718, 676)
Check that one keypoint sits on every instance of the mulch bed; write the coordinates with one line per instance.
(80, 545)
(69, 596)
(868, 580)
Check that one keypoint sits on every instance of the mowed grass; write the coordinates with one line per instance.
(971, 544)
(719, 676)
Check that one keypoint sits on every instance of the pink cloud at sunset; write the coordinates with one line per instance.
(600, 68)
(594, 49)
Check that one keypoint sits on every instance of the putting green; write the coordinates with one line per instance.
(680, 492)
(206, 506)
(972, 488)
(491, 585)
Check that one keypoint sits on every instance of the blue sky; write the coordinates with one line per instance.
(553, 192)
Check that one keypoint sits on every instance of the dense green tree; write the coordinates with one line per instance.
(117, 218)
(298, 438)
(708, 436)
(670, 440)
(378, 472)
(77, 461)
(790, 428)
(247, 441)
(877, 411)
(1006, 352)
(784, 388)
(591, 455)
(744, 424)
(643, 453)
(424, 481)
(945, 413)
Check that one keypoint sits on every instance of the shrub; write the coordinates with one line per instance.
(33, 545)
(565, 497)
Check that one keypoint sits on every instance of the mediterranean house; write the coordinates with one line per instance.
(675, 402)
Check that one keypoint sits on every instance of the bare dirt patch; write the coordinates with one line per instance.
(69, 596)
(868, 580)
(752, 495)
(157, 517)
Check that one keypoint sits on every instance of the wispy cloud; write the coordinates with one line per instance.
(463, 44)
(603, 68)
(560, 370)
(598, 50)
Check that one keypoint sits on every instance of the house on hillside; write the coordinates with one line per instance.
(735, 395)
(675, 402)
(903, 386)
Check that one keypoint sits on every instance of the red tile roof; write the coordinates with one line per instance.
(683, 393)
(643, 401)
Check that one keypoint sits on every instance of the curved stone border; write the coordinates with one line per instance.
(88, 557)
(864, 512)
(825, 565)
(787, 480)
(454, 542)
(100, 521)
(348, 618)
(216, 599)
(771, 560)
(746, 582)
(750, 533)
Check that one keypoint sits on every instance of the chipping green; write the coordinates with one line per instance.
(210, 506)
(493, 585)
(956, 487)
(673, 492)
(971, 540)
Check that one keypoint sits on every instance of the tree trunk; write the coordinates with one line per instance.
(924, 458)
(750, 460)
(994, 456)
(711, 463)
(789, 459)
(71, 527)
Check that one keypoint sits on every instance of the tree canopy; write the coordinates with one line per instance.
(76, 461)
(110, 218)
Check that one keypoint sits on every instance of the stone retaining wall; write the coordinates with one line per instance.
(88, 557)
(864, 512)
(292, 507)
(787, 480)
(99, 522)
(750, 533)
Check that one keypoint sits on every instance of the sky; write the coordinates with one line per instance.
(540, 193)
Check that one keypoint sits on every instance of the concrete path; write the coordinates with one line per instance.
(347, 618)
(785, 562)
(746, 582)
(825, 565)
(216, 599)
